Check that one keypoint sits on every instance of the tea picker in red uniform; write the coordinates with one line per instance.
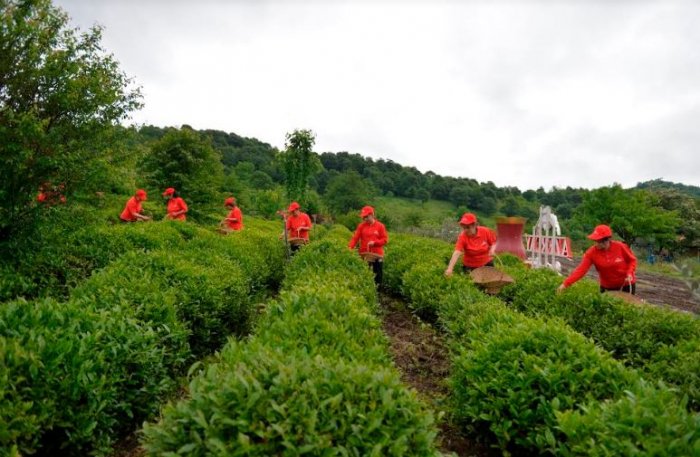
(234, 221)
(372, 237)
(298, 224)
(614, 261)
(133, 210)
(476, 243)
(176, 206)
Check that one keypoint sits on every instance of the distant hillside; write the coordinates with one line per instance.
(658, 184)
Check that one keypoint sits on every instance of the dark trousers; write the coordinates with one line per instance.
(378, 268)
(627, 288)
(467, 269)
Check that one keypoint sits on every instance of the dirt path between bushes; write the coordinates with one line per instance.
(421, 355)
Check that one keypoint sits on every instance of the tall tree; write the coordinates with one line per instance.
(630, 213)
(348, 191)
(184, 159)
(60, 92)
(299, 163)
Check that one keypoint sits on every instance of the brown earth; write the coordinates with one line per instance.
(422, 358)
(653, 288)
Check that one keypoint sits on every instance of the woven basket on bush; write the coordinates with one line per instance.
(370, 256)
(626, 296)
(297, 241)
(490, 279)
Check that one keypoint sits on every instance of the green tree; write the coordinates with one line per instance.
(60, 92)
(630, 213)
(299, 163)
(348, 191)
(185, 160)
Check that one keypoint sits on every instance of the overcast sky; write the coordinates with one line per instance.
(522, 93)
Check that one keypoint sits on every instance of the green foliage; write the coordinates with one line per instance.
(315, 378)
(348, 191)
(514, 376)
(299, 163)
(185, 160)
(653, 339)
(679, 366)
(648, 420)
(74, 377)
(61, 93)
(268, 202)
(261, 402)
(630, 213)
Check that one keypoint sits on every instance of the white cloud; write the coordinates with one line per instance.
(523, 94)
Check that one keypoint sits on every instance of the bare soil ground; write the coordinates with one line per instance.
(421, 356)
(653, 288)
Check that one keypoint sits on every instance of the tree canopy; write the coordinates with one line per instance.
(60, 92)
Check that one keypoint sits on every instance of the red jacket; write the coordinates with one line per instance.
(235, 214)
(370, 232)
(613, 264)
(294, 223)
(132, 207)
(476, 248)
(174, 205)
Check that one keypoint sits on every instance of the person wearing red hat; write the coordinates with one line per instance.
(176, 206)
(475, 243)
(133, 209)
(234, 220)
(372, 237)
(298, 225)
(614, 261)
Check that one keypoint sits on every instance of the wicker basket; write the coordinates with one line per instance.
(370, 257)
(490, 279)
(297, 241)
(626, 296)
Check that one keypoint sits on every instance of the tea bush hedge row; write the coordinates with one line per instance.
(660, 341)
(514, 375)
(78, 374)
(315, 379)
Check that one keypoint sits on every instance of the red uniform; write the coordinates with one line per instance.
(235, 214)
(613, 265)
(174, 205)
(367, 232)
(475, 248)
(133, 207)
(294, 223)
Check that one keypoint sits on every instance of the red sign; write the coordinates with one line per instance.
(552, 245)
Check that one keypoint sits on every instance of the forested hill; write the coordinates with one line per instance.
(659, 184)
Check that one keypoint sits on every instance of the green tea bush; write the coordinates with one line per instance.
(679, 365)
(325, 322)
(261, 402)
(647, 420)
(73, 377)
(315, 379)
(514, 375)
(637, 335)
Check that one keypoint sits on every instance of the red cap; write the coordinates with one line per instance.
(141, 194)
(600, 232)
(467, 219)
(229, 201)
(169, 191)
(293, 206)
(366, 211)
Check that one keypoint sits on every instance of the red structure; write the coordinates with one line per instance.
(509, 231)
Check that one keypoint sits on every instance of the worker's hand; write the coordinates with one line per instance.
(448, 272)
(370, 244)
(561, 288)
(628, 279)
